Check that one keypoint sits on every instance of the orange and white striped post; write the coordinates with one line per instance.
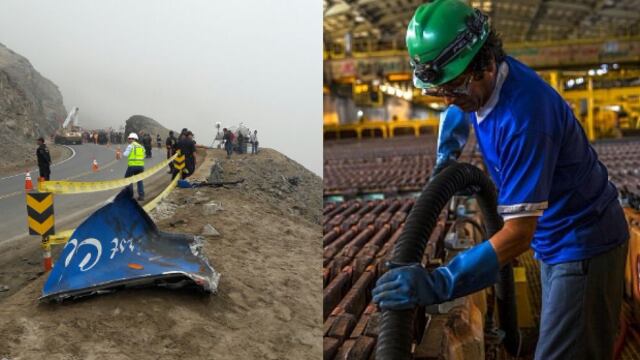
(47, 262)
(28, 184)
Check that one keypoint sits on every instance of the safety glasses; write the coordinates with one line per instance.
(455, 88)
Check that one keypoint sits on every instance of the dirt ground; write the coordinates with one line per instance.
(9, 166)
(267, 305)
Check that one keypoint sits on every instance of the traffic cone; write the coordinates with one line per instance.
(94, 166)
(28, 185)
(47, 262)
(118, 153)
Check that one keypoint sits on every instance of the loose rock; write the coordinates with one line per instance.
(211, 208)
(209, 230)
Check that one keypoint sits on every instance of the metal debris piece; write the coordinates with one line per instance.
(120, 246)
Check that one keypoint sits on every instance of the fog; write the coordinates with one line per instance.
(183, 63)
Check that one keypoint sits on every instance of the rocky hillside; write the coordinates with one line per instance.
(30, 106)
(137, 123)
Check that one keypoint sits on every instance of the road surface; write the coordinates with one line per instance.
(68, 209)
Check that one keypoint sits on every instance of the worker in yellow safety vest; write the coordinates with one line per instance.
(135, 155)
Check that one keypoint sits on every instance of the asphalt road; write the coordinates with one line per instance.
(68, 209)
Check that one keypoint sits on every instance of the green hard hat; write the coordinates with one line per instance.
(444, 26)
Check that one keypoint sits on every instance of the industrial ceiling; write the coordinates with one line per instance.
(515, 20)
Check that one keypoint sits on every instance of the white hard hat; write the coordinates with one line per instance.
(133, 136)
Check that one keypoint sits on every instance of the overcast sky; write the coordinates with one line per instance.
(185, 63)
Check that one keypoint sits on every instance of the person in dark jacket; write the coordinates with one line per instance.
(187, 146)
(183, 134)
(147, 142)
(44, 159)
(170, 144)
(227, 136)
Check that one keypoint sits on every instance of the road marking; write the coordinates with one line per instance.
(73, 154)
(69, 178)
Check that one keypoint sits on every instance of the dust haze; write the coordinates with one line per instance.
(183, 63)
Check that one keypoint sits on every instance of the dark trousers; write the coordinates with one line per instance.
(190, 166)
(135, 170)
(229, 147)
(45, 171)
(581, 303)
(170, 154)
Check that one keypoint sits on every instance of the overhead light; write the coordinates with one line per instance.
(570, 83)
(591, 72)
(579, 80)
(601, 72)
(383, 88)
(359, 18)
(615, 66)
(360, 113)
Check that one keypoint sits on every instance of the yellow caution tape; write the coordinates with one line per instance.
(79, 187)
(60, 238)
(153, 203)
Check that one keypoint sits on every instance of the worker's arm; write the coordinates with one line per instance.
(127, 151)
(47, 156)
(472, 270)
(452, 137)
(514, 238)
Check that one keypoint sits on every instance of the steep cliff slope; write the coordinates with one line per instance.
(30, 106)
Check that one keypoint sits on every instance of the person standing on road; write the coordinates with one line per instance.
(158, 141)
(187, 147)
(553, 193)
(228, 142)
(44, 159)
(147, 142)
(135, 154)
(170, 144)
(253, 138)
(241, 142)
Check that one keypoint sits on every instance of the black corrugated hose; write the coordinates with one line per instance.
(396, 327)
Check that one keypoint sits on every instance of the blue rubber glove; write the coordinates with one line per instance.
(452, 137)
(409, 286)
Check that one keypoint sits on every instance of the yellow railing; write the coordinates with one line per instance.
(400, 48)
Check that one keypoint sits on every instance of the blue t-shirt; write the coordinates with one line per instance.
(543, 165)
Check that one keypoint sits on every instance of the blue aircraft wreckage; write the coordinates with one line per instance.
(119, 246)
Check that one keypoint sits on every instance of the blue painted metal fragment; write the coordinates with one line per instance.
(120, 246)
